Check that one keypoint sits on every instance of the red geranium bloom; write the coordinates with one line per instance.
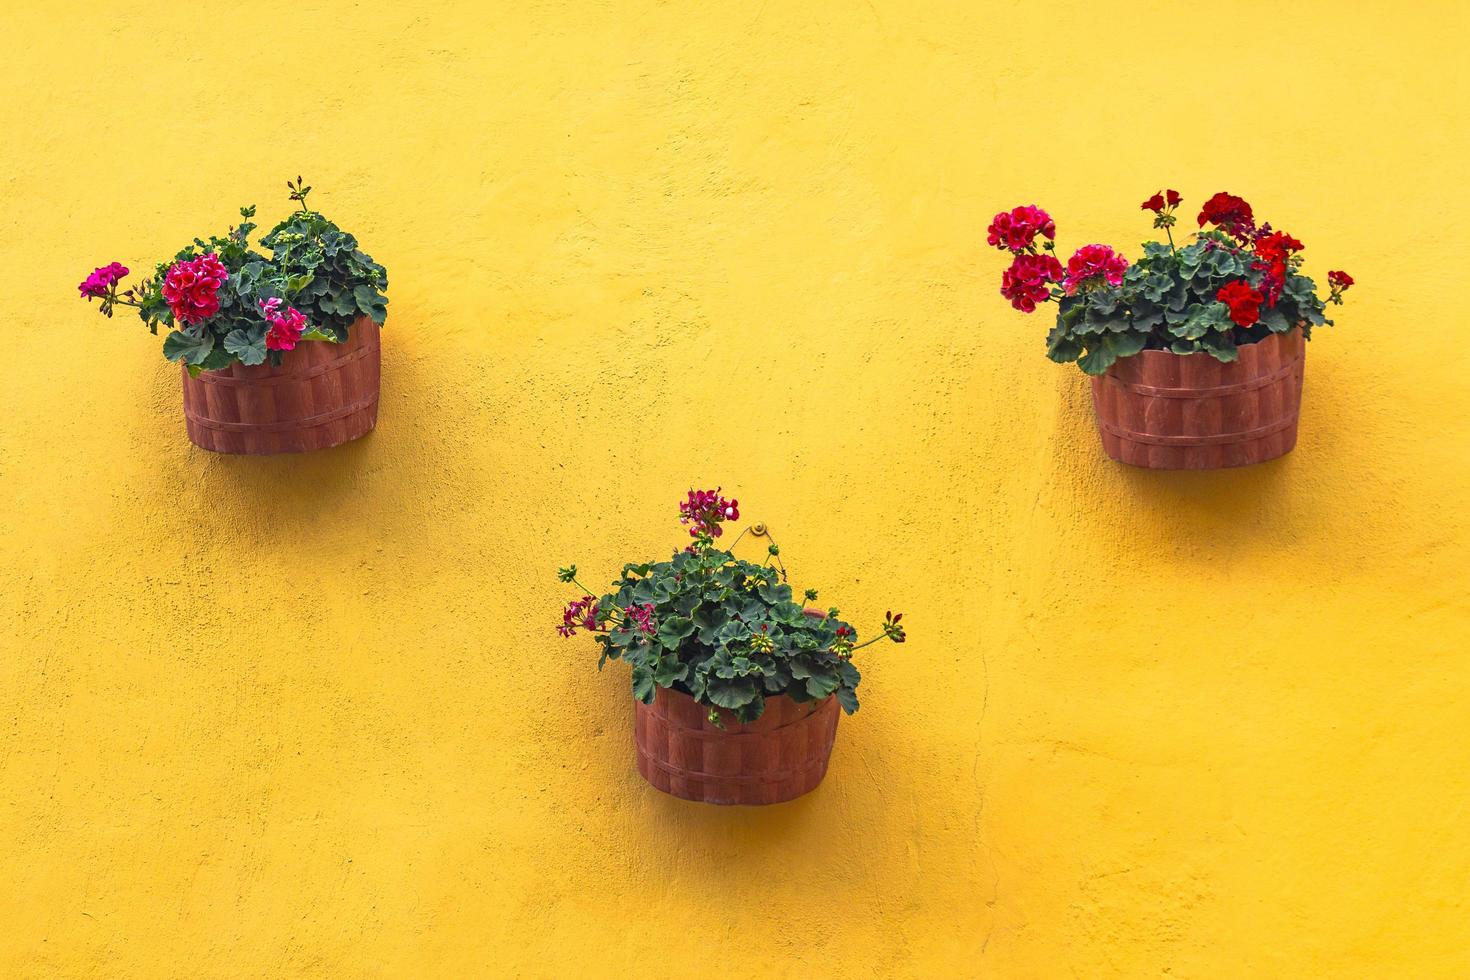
(191, 288)
(1028, 281)
(1016, 229)
(1154, 204)
(1339, 280)
(1273, 258)
(1229, 213)
(1174, 198)
(1243, 300)
(1091, 261)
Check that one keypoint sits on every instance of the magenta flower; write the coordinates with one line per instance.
(705, 510)
(1093, 261)
(579, 613)
(1028, 281)
(1016, 229)
(286, 328)
(102, 280)
(641, 617)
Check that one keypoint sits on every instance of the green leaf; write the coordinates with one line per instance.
(179, 346)
(643, 685)
(669, 671)
(314, 334)
(821, 685)
(731, 693)
(1108, 349)
(674, 630)
(248, 350)
(847, 697)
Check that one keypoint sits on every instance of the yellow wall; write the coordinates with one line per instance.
(308, 716)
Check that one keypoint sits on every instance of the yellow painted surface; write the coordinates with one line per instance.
(308, 716)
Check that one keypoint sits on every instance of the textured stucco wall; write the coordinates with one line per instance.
(308, 716)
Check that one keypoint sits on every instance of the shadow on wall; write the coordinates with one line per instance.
(1243, 512)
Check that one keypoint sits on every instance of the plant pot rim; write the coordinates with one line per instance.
(1171, 355)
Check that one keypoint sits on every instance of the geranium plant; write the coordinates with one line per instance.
(1235, 284)
(223, 301)
(721, 629)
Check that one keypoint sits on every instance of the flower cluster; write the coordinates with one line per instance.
(640, 617)
(1016, 230)
(1338, 281)
(1242, 300)
(191, 288)
(286, 326)
(1093, 262)
(705, 510)
(102, 281)
(1274, 251)
(1033, 272)
(1028, 281)
(579, 613)
(1228, 213)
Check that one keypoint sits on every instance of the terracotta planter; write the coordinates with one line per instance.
(322, 395)
(1168, 411)
(778, 757)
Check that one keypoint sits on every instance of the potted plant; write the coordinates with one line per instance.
(736, 685)
(1196, 351)
(280, 351)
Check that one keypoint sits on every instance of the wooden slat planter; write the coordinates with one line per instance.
(322, 395)
(778, 757)
(1169, 411)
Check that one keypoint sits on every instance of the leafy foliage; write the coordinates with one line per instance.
(724, 630)
(309, 263)
(1167, 301)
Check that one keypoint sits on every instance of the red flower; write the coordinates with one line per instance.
(1174, 198)
(1229, 213)
(191, 288)
(1273, 258)
(1027, 282)
(1091, 261)
(1243, 300)
(1339, 280)
(1016, 229)
(1154, 204)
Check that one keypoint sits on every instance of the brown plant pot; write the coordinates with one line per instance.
(1167, 411)
(778, 757)
(322, 395)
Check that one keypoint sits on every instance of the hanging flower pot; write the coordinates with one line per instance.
(280, 352)
(1196, 351)
(737, 686)
(781, 755)
(1168, 411)
(320, 396)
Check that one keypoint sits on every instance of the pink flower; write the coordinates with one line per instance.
(641, 617)
(1016, 229)
(1091, 261)
(191, 288)
(286, 328)
(1028, 281)
(706, 509)
(103, 279)
(579, 613)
